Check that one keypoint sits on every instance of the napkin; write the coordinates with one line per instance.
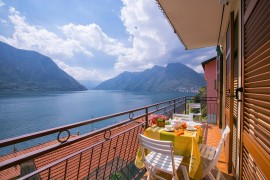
(178, 133)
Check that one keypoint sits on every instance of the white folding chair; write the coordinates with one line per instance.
(197, 107)
(160, 158)
(185, 117)
(210, 156)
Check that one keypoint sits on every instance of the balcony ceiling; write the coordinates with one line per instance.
(196, 22)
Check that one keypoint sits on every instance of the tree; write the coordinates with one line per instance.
(201, 98)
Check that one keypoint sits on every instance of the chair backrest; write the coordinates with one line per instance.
(218, 151)
(185, 117)
(222, 140)
(158, 146)
(194, 106)
(163, 147)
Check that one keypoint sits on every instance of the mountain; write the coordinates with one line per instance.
(175, 77)
(23, 70)
(202, 74)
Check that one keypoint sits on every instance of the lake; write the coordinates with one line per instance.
(22, 113)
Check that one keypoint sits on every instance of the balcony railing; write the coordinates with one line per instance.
(105, 153)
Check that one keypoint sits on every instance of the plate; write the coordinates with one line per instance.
(168, 130)
(192, 129)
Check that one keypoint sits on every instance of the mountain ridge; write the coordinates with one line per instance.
(175, 77)
(23, 70)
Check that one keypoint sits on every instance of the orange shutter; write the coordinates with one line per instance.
(229, 89)
(235, 149)
(256, 97)
(219, 89)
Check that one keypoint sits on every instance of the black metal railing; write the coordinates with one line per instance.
(105, 153)
(101, 160)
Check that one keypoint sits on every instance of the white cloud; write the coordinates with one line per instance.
(2, 3)
(198, 69)
(200, 58)
(12, 10)
(3, 21)
(76, 39)
(39, 39)
(80, 73)
(153, 40)
(92, 37)
(151, 36)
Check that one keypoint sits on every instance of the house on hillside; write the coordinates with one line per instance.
(210, 76)
(240, 30)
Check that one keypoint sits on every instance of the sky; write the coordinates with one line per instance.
(96, 39)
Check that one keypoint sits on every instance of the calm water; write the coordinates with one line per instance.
(22, 113)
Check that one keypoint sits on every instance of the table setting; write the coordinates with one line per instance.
(177, 125)
(185, 135)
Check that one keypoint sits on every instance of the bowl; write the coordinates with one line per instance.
(168, 127)
(176, 124)
(190, 126)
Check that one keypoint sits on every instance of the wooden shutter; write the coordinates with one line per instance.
(219, 65)
(256, 96)
(229, 89)
(235, 101)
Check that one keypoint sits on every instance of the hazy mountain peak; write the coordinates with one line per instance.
(29, 70)
(173, 77)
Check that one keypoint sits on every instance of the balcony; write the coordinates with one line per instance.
(106, 153)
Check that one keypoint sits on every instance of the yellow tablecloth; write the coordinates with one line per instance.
(185, 145)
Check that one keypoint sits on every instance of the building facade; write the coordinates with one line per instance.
(210, 76)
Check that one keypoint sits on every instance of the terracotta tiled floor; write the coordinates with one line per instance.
(212, 136)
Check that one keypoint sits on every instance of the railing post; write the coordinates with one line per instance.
(174, 106)
(146, 117)
(185, 105)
